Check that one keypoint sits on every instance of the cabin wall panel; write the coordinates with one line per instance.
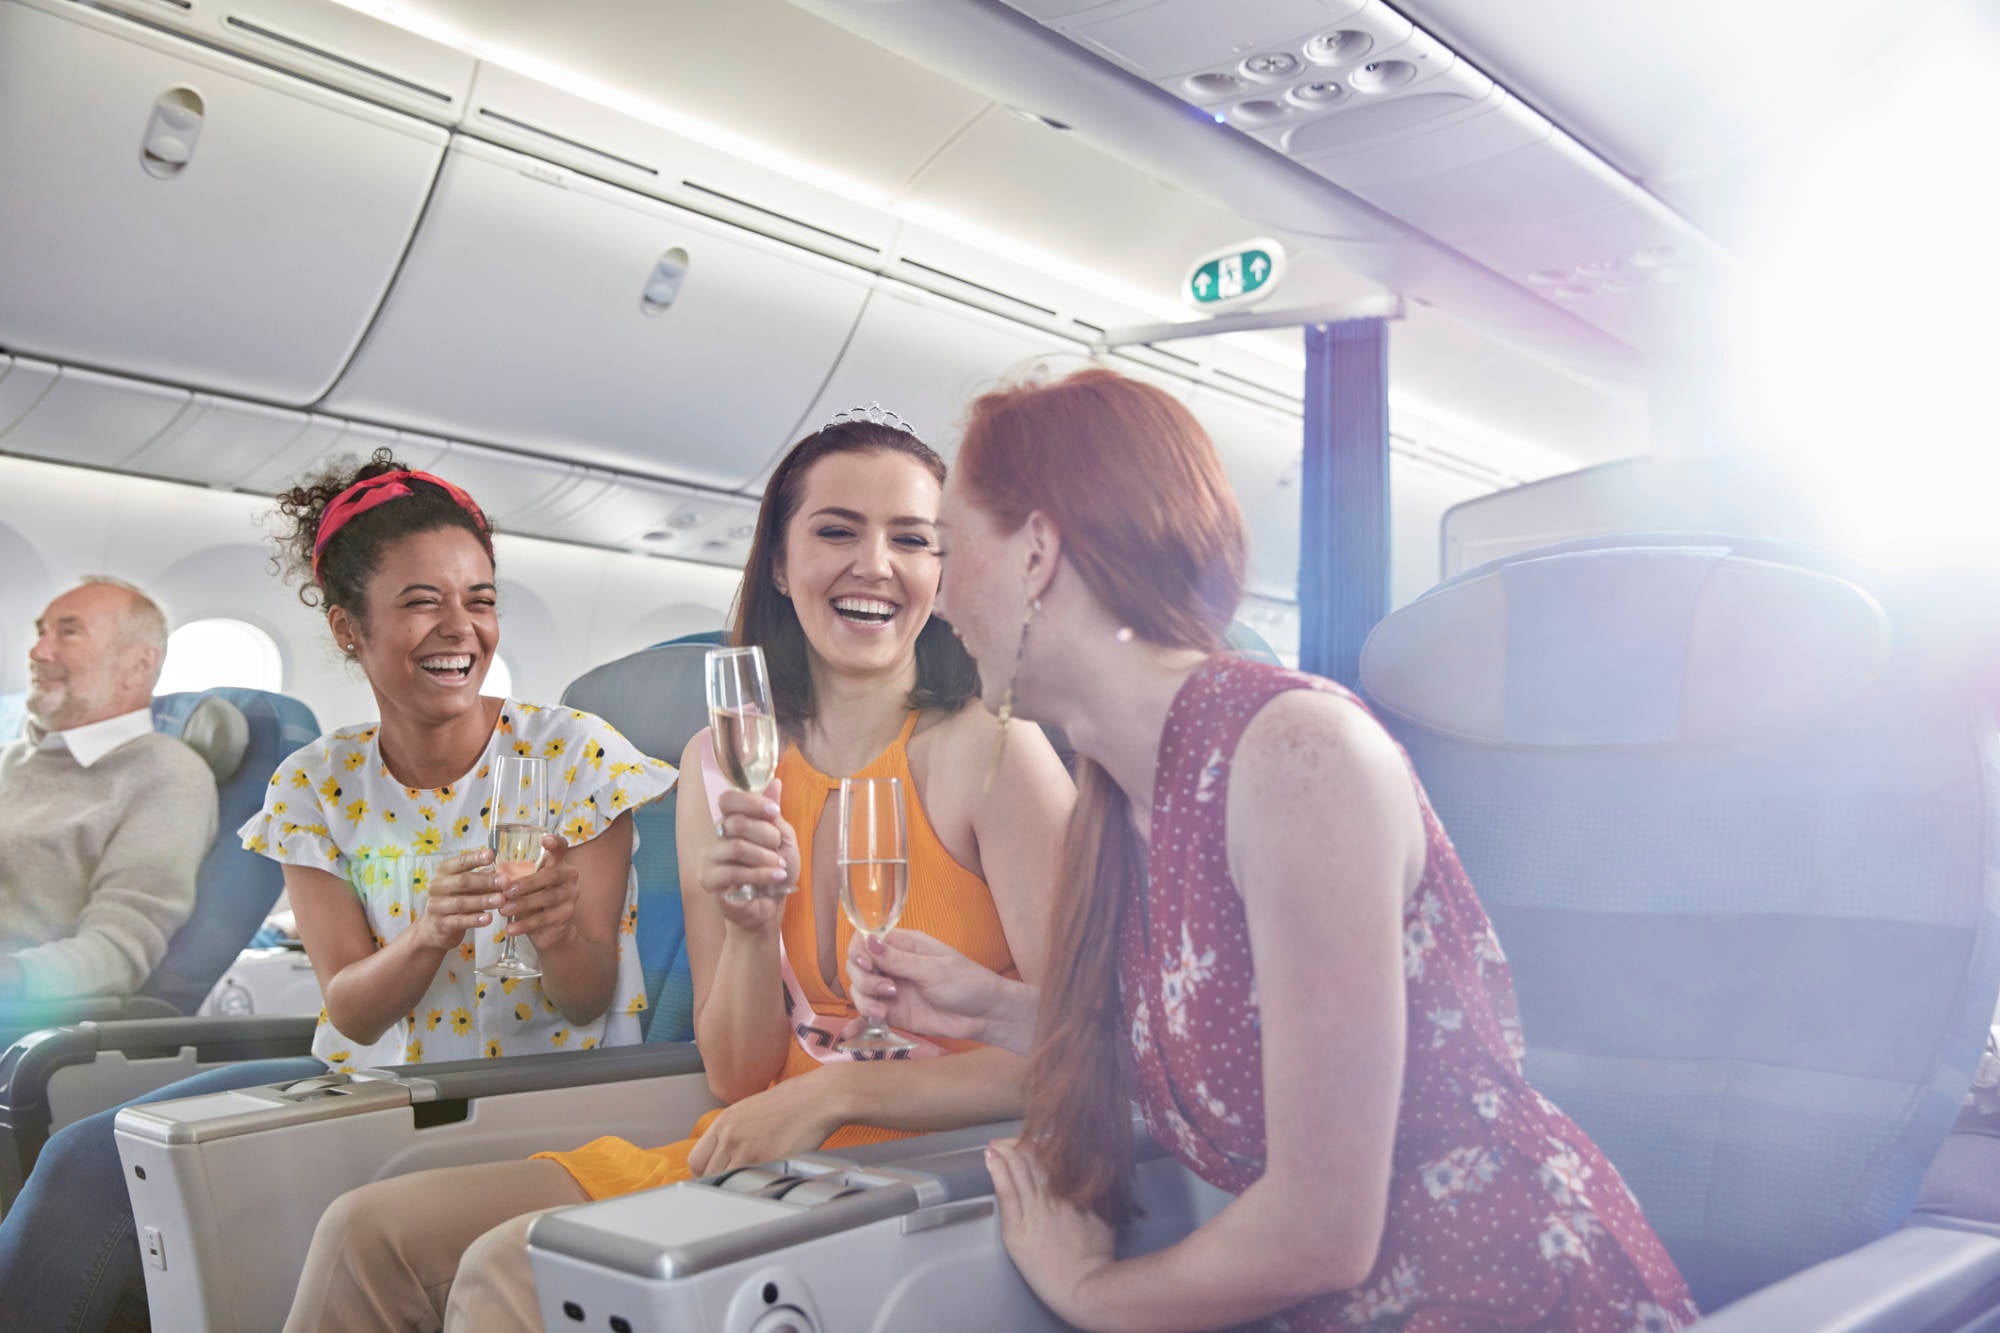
(204, 553)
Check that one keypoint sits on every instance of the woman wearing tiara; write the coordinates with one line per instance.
(382, 834)
(838, 593)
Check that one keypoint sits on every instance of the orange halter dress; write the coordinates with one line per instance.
(947, 902)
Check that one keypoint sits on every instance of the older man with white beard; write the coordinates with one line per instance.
(103, 821)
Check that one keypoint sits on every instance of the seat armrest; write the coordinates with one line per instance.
(1915, 1280)
(469, 1080)
(18, 1018)
(30, 1064)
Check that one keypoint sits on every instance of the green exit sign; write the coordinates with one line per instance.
(1240, 275)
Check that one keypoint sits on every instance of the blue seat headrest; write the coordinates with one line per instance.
(1627, 646)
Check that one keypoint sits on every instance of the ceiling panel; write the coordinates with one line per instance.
(1684, 91)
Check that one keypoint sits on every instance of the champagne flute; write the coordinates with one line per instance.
(874, 881)
(743, 727)
(520, 816)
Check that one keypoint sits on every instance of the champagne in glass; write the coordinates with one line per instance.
(520, 817)
(743, 727)
(874, 880)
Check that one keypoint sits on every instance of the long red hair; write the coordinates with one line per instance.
(1148, 521)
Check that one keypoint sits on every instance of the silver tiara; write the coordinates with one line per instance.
(874, 414)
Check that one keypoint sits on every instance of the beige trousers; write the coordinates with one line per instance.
(438, 1249)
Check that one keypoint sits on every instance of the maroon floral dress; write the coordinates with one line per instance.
(1502, 1213)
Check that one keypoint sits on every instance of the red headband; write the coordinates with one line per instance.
(363, 496)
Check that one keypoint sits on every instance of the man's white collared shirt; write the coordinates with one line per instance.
(92, 741)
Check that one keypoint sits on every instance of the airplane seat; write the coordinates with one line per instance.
(203, 1164)
(1741, 853)
(658, 698)
(72, 1058)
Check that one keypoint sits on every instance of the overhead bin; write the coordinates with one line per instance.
(328, 43)
(515, 111)
(176, 212)
(924, 357)
(83, 417)
(544, 310)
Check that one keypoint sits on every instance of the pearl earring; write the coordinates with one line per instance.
(1124, 634)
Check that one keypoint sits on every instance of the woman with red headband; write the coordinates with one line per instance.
(382, 830)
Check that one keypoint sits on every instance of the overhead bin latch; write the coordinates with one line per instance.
(663, 285)
(171, 133)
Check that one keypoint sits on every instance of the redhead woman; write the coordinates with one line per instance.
(382, 832)
(838, 592)
(1264, 936)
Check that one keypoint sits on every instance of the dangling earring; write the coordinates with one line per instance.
(1007, 695)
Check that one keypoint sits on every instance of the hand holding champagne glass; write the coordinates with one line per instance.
(874, 881)
(743, 728)
(520, 817)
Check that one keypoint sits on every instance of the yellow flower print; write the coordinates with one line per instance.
(274, 778)
(395, 911)
(527, 708)
(553, 749)
(524, 748)
(299, 779)
(506, 725)
(460, 827)
(255, 842)
(569, 775)
(485, 771)
(637, 1004)
(560, 1037)
(630, 924)
(355, 810)
(279, 807)
(656, 763)
(432, 1019)
(445, 793)
(479, 991)
(322, 1014)
(507, 984)
(379, 941)
(413, 1053)
(578, 714)
(352, 760)
(330, 789)
(429, 813)
(389, 816)
(500, 935)
(338, 1057)
(429, 840)
(493, 1048)
(420, 880)
(461, 1021)
(577, 830)
(465, 951)
(548, 1004)
(451, 975)
(413, 793)
(367, 734)
(621, 768)
(594, 753)
(522, 1013)
(589, 1043)
(619, 800)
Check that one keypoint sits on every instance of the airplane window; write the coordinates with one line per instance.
(205, 653)
(499, 679)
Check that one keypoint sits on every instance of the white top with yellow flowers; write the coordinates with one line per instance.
(333, 806)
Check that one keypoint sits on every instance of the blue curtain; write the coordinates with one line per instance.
(1344, 501)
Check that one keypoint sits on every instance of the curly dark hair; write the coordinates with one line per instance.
(351, 557)
(947, 677)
